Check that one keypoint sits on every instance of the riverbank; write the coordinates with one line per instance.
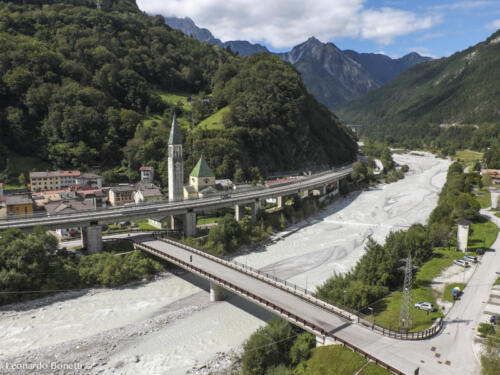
(198, 331)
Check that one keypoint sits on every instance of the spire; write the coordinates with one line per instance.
(202, 169)
(175, 133)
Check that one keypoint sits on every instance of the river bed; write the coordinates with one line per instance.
(168, 326)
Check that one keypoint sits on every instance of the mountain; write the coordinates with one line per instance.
(452, 91)
(336, 77)
(89, 88)
(188, 27)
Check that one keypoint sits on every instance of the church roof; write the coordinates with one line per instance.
(175, 133)
(202, 169)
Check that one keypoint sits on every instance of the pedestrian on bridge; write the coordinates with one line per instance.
(191, 258)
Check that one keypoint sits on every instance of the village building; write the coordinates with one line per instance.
(99, 197)
(120, 195)
(57, 180)
(147, 174)
(494, 174)
(147, 193)
(201, 181)
(21, 204)
(89, 179)
(3, 207)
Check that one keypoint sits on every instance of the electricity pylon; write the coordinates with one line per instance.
(406, 314)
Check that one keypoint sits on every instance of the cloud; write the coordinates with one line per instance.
(284, 23)
(466, 4)
(495, 25)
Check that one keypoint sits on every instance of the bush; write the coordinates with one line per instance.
(485, 329)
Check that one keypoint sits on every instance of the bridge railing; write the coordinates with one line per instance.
(306, 294)
(138, 206)
(267, 304)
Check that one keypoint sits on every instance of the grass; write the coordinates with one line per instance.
(145, 226)
(331, 360)
(480, 232)
(149, 121)
(447, 291)
(468, 156)
(202, 220)
(484, 198)
(497, 282)
(175, 98)
(215, 121)
(373, 369)
(387, 310)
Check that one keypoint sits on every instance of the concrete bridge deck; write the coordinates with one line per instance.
(323, 320)
(166, 208)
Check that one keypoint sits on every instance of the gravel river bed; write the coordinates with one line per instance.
(168, 326)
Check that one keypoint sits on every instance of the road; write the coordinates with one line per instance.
(165, 208)
(450, 352)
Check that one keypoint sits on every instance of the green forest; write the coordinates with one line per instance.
(449, 103)
(92, 89)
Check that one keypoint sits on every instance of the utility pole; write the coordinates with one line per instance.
(406, 313)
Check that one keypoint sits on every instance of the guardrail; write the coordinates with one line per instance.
(267, 304)
(160, 202)
(342, 311)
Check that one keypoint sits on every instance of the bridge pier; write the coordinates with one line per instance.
(323, 190)
(175, 223)
(190, 224)
(217, 293)
(255, 210)
(92, 238)
(239, 212)
(304, 193)
(324, 340)
(279, 202)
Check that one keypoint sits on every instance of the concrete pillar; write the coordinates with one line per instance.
(239, 212)
(255, 210)
(323, 190)
(320, 341)
(92, 238)
(463, 235)
(217, 293)
(190, 224)
(495, 194)
(304, 193)
(279, 202)
(175, 223)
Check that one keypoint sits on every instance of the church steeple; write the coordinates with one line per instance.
(175, 163)
(175, 133)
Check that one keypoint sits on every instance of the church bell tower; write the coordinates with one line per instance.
(175, 164)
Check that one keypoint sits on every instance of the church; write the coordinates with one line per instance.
(201, 181)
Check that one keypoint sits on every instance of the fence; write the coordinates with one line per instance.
(265, 303)
(342, 311)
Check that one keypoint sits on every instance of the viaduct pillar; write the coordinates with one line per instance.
(239, 212)
(190, 224)
(304, 193)
(217, 293)
(255, 210)
(175, 223)
(92, 238)
(279, 202)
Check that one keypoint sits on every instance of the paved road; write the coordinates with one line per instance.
(450, 352)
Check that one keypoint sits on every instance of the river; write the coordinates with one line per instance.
(168, 326)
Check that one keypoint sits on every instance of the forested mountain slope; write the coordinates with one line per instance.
(88, 88)
(459, 90)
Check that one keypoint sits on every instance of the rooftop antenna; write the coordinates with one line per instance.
(406, 313)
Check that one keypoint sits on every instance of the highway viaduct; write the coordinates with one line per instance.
(184, 211)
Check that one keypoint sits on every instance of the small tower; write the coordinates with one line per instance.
(201, 176)
(175, 164)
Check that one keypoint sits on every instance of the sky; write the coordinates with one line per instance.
(394, 27)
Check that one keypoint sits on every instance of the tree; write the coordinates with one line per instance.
(301, 348)
(22, 179)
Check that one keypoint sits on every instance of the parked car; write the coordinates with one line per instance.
(426, 306)
(479, 251)
(461, 263)
(470, 258)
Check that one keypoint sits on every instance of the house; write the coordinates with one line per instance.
(120, 195)
(69, 206)
(494, 174)
(147, 174)
(147, 193)
(224, 184)
(3, 207)
(21, 204)
(55, 180)
(99, 197)
(89, 179)
(201, 181)
(42, 198)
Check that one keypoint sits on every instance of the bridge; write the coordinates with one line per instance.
(183, 212)
(281, 298)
